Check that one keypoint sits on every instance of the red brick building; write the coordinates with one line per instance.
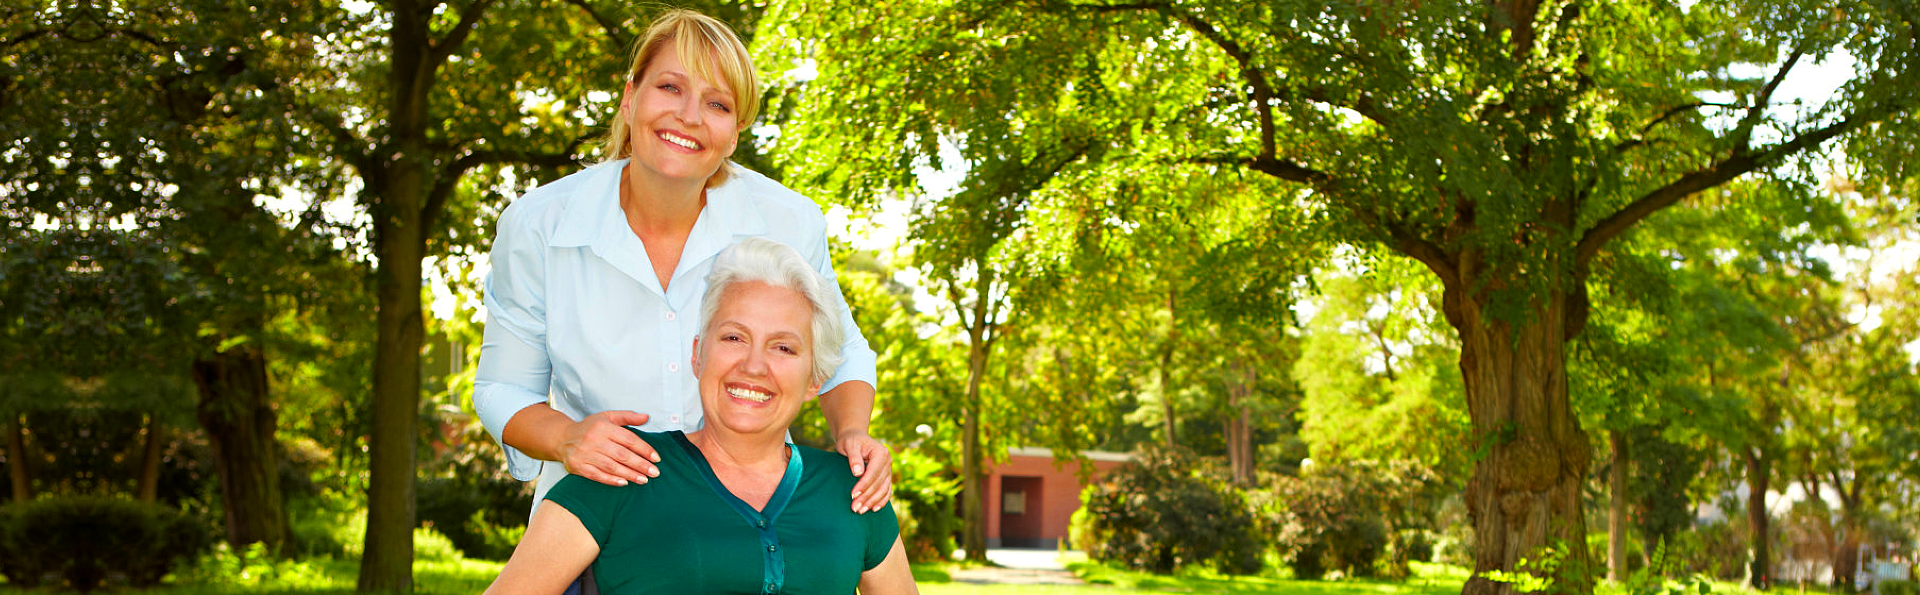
(1030, 500)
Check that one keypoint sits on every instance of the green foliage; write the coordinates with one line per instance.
(1160, 512)
(1347, 517)
(923, 496)
(78, 540)
(1891, 587)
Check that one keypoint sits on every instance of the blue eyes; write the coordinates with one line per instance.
(675, 89)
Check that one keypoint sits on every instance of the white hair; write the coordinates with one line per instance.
(779, 265)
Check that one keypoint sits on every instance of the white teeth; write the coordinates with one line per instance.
(751, 395)
(679, 141)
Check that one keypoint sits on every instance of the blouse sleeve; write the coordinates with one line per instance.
(597, 505)
(883, 526)
(514, 370)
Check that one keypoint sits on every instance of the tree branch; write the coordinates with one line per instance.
(1743, 134)
(449, 180)
(1406, 242)
(616, 32)
(439, 51)
(1739, 164)
(1285, 170)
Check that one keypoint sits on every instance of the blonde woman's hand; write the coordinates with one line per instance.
(601, 448)
(873, 464)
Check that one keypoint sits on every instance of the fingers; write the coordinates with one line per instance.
(624, 418)
(606, 452)
(874, 464)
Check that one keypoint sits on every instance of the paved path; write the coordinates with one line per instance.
(1019, 566)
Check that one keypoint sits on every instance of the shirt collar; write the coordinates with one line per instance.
(596, 202)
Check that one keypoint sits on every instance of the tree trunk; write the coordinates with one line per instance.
(1239, 429)
(1166, 371)
(974, 540)
(17, 459)
(1524, 496)
(234, 409)
(401, 182)
(388, 563)
(148, 489)
(1617, 517)
(1759, 474)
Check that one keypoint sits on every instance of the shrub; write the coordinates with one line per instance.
(1347, 517)
(1158, 514)
(1891, 587)
(79, 539)
(923, 498)
(473, 511)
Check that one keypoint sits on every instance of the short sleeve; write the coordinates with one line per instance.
(597, 505)
(883, 527)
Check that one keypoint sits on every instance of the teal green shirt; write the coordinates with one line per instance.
(683, 532)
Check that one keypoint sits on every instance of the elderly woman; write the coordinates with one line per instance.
(593, 276)
(749, 512)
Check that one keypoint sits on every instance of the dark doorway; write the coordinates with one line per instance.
(1020, 511)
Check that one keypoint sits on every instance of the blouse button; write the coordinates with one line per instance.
(675, 418)
(773, 548)
(671, 316)
(673, 367)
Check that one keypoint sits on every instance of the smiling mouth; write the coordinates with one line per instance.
(749, 394)
(690, 145)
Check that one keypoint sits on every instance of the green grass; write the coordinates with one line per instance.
(226, 574)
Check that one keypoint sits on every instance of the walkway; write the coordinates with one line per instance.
(1019, 566)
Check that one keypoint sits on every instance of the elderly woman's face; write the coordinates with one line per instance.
(755, 359)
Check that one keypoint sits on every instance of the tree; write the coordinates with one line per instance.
(1502, 145)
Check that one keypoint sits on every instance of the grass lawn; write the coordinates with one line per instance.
(223, 575)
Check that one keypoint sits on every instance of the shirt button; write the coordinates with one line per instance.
(675, 418)
(763, 524)
(671, 316)
(673, 367)
(773, 548)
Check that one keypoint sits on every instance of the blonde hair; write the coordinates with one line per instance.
(704, 44)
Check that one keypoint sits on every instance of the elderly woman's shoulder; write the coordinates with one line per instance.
(831, 464)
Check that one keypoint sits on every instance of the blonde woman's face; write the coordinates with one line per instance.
(680, 127)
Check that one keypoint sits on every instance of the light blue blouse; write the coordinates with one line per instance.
(575, 313)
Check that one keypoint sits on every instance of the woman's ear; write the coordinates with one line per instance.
(695, 359)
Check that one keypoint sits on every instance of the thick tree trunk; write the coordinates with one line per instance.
(1617, 517)
(1524, 496)
(1759, 475)
(401, 182)
(973, 486)
(234, 409)
(17, 475)
(148, 488)
(388, 563)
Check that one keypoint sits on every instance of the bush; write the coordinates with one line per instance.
(923, 498)
(1891, 587)
(74, 539)
(1347, 517)
(474, 511)
(1157, 514)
